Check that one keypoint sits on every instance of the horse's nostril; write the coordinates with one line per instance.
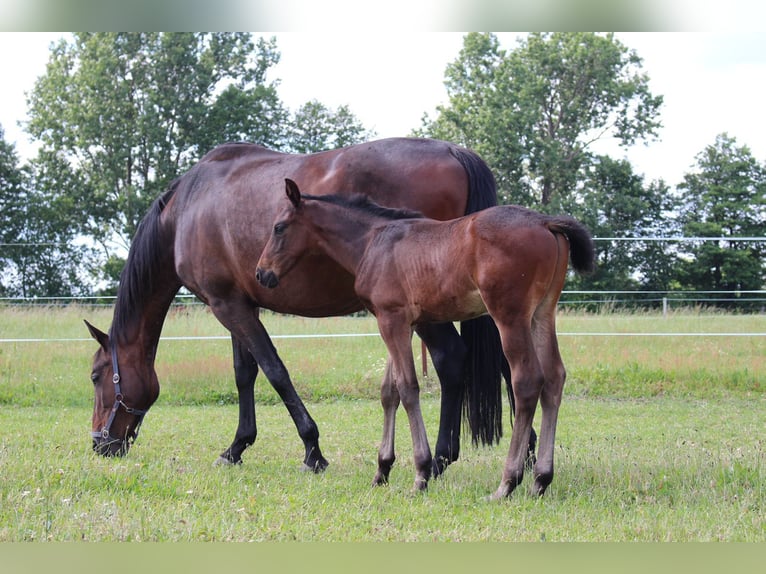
(266, 278)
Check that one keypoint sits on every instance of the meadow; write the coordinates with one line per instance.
(660, 439)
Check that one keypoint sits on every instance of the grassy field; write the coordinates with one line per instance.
(660, 438)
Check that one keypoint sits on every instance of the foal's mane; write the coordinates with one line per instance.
(147, 255)
(364, 204)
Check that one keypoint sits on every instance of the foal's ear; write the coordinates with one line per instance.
(101, 337)
(293, 193)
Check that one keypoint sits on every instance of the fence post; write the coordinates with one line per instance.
(664, 306)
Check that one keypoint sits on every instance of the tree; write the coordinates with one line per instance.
(315, 127)
(615, 203)
(725, 197)
(129, 112)
(534, 112)
(37, 255)
(10, 189)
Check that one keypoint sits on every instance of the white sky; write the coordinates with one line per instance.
(711, 82)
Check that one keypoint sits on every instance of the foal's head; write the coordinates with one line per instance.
(283, 250)
(302, 226)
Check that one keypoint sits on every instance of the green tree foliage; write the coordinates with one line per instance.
(129, 112)
(315, 127)
(725, 196)
(535, 111)
(38, 255)
(118, 116)
(615, 203)
(10, 222)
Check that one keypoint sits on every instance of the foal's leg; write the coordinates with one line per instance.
(531, 457)
(245, 371)
(397, 335)
(389, 398)
(527, 381)
(550, 398)
(241, 318)
(447, 354)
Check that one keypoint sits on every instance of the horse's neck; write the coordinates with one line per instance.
(141, 328)
(346, 239)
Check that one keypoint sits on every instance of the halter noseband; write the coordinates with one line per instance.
(105, 433)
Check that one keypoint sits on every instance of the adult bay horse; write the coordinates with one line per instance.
(507, 261)
(206, 230)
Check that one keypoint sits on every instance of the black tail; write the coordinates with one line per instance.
(482, 405)
(582, 253)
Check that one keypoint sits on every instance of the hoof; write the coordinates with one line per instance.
(379, 480)
(439, 465)
(223, 461)
(318, 467)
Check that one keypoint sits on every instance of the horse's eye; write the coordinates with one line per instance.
(94, 377)
(279, 228)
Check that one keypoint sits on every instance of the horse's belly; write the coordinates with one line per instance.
(454, 308)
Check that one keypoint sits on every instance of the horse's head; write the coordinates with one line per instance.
(289, 241)
(124, 390)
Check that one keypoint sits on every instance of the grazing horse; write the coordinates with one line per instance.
(507, 261)
(205, 231)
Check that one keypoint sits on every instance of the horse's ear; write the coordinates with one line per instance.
(101, 337)
(293, 193)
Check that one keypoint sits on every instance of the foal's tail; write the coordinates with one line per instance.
(582, 253)
(482, 405)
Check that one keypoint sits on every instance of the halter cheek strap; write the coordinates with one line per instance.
(105, 433)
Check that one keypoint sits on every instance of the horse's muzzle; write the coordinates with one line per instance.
(110, 446)
(266, 278)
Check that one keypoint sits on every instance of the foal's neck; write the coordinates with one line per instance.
(344, 236)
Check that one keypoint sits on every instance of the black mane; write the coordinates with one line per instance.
(364, 204)
(141, 272)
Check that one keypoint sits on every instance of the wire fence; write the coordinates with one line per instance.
(575, 299)
(592, 300)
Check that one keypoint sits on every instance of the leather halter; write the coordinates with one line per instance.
(105, 433)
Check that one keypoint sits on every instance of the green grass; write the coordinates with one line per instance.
(660, 438)
(658, 470)
(199, 372)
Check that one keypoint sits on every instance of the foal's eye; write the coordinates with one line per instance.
(279, 228)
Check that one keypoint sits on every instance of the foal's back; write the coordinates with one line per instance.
(443, 271)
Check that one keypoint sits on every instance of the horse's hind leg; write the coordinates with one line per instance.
(531, 457)
(447, 354)
(550, 398)
(547, 348)
(527, 380)
(245, 372)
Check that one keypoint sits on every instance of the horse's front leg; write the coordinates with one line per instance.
(243, 322)
(397, 334)
(389, 399)
(245, 372)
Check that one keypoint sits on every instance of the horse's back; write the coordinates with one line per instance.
(231, 197)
